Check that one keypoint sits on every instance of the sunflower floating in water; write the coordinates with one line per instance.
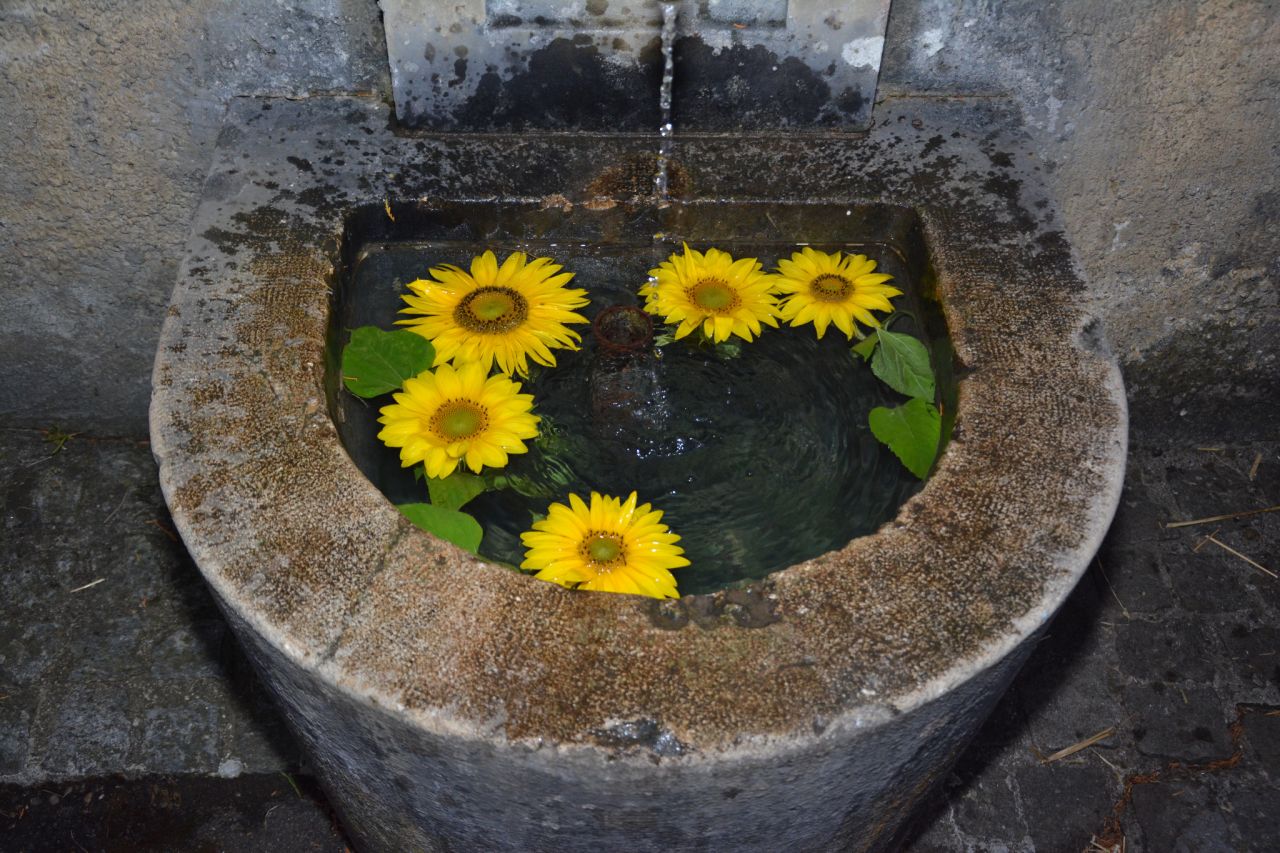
(714, 292)
(508, 314)
(451, 412)
(610, 545)
(822, 289)
(446, 416)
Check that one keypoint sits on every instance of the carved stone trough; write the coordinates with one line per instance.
(449, 704)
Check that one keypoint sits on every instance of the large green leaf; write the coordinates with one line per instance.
(912, 431)
(454, 491)
(457, 527)
(902, 363)
(864, 347)
(376, 362)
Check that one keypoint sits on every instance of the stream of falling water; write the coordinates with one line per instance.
(665, 128)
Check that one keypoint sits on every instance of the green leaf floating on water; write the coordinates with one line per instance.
(912, 431)
(376, 362)
(902, 363)
(726, 350)
(663, 338)
(450, 524)
(454, 491)
(864, 347)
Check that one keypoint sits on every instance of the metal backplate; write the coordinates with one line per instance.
(596, 65)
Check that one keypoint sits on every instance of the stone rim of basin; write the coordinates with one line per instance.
(299, 545)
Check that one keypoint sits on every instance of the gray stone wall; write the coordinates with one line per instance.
(1158, 121)
(110, 111)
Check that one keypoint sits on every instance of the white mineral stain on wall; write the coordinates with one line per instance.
(1117, 242)
(717, 40)
(931, 41)
(864, 51)
(1054, 106)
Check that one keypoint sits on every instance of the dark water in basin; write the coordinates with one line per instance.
(758, 461)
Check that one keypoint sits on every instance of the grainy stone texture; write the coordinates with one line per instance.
(1179, 96)
(1157, 119)
(1187, 680)
(1158, 122)
(136, 673)
(159, 814)
(876, 660)
(110, 112)
(1076, 683)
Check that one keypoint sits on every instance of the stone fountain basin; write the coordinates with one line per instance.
(451, 704)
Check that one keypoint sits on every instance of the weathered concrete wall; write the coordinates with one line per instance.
(110, 111)
(1159, 122)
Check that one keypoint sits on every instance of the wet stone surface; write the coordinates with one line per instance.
(278, 192)
(161, 813)
(1169, 645)
(113, 656)
(137, 677)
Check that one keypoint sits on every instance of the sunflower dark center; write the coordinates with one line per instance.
(603, 549)
(714, 295)
(457, 420)
(829, 287)
(491, 310)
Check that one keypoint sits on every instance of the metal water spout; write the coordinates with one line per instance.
(587, 65)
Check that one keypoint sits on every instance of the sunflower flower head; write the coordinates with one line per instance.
(713, 292)
(609, 545)
(822, 289)
(507, 313)
(447, 416)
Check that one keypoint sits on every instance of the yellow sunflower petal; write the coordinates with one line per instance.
(606, 544)
(445, 415)
(506, 313)
(713, 291)
(843, 322)
(832, 288)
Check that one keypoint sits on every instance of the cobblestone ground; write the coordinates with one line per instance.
(129, 721)
(1169, 646)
